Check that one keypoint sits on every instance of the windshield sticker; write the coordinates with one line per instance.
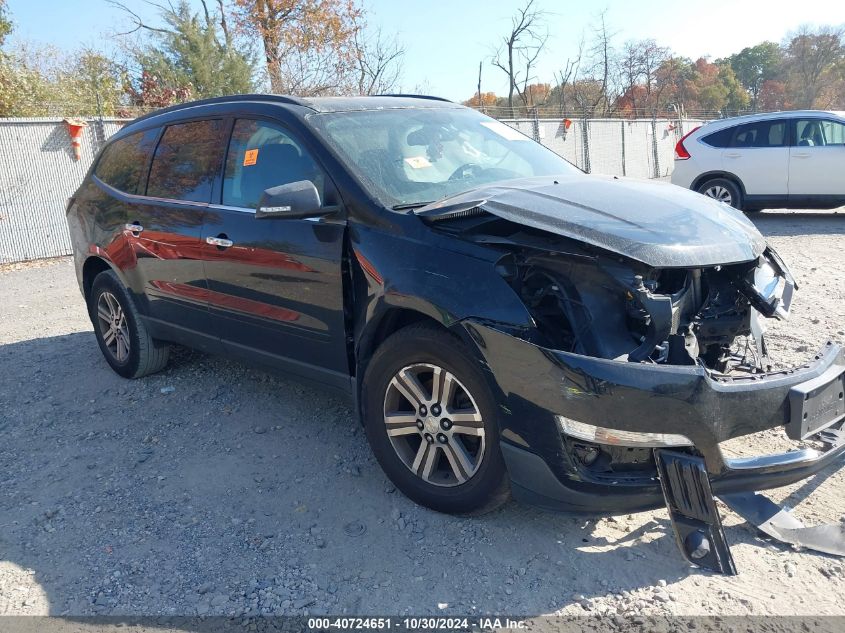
(418, 162)
(250, 157)
(505, 131)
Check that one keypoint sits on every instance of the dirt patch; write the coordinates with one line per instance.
(216, 488)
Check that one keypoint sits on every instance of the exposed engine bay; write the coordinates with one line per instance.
(646, 340)
(593, 302)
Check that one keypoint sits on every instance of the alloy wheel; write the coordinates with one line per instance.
(719, 193)
(113, 327)
(434, 424)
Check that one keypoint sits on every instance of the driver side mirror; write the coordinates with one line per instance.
(295, 200)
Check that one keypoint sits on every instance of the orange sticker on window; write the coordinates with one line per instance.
(250, 157)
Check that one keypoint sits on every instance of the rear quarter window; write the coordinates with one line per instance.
(187, 160)
(718, 139)
(124, 160)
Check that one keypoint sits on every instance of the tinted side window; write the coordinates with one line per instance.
(760, 134)
(124, 160)
(263, 155)
(186, 161)
(722, 138)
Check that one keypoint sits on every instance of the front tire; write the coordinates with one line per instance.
(723, 190)
(124, 340)
(429, 416)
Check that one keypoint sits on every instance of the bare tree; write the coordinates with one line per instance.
(518, 52)
(567, 76)
(600, 56)
(480, 101)
(638, 64)
(379, 63)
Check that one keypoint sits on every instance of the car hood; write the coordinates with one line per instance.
(656, 223)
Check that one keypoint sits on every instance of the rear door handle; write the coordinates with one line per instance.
(221, 241)
(134, 227)
(733, 155)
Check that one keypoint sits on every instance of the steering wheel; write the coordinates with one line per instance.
(467, 170)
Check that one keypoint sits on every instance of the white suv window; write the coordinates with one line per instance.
(759, 134)
(816, 132)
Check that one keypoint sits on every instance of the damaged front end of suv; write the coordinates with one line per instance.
(646, 352)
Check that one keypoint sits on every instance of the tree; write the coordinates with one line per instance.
(378, 61)
(46, 82)
(600, 69)
(5, 22)
(487, 99)
(190, 54)
(24, 88)
(674, 83)
(90, 83)
(309, 45)
(812, 66)
(566, 78)
(518, 51)
(638, 66)
(737, 98)
(772, 96)
(755, 65)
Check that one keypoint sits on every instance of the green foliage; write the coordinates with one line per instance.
(5, 22)
(737, 97)
(90, 84)
(189, 56)
(24, 89)
(45, 82)
(755, 65)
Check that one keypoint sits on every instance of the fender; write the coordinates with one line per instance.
(718, 173)
(416, 286)
(417, 282)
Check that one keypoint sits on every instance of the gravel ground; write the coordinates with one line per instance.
(213, 488)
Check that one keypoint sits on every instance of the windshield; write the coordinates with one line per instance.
(409, 157)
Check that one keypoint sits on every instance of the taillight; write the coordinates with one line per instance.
(681, 152)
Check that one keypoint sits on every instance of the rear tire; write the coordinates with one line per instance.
(452, 466)
(124, 340)
(723, 190)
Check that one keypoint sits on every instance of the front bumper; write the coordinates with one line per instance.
(534, 384)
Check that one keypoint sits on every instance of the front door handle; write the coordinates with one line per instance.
(801, 155)
(134, 227)
(221, 241)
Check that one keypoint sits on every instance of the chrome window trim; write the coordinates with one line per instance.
(147, 199)
(226, 207)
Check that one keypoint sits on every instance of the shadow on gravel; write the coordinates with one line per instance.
(215, 489)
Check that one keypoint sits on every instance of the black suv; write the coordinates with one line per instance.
(502, 321)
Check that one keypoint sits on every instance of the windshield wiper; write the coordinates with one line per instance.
(409, 205)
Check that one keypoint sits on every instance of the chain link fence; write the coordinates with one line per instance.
(38, 171)
(638, 148)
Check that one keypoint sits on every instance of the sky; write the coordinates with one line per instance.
(444, 40)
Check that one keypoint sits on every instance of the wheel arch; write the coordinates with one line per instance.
(390, 320)
(710, 175)
(92, 267)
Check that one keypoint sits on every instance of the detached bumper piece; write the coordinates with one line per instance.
(698, 528)
(772, 520)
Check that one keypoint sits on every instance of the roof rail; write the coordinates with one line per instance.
(226, 99)
(413, 96)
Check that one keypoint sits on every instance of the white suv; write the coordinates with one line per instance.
(775, 160)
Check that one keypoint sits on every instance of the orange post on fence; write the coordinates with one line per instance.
(75, 127)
